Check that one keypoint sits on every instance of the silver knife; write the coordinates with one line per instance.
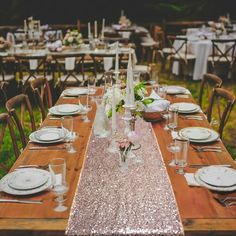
(203, 165)
(46, 148)
(21, 201)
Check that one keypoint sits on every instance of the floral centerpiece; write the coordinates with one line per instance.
(225, 20)
(124, 21)
(4, 44)
(140, 93)
(72, 38)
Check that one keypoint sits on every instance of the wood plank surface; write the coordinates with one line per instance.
(200, 213)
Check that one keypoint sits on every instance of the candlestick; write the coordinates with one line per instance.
(117, 63)
(103, 28)
(25, 27)
(89, 30)
(122, 13)
(131, 81)
(113, 124)
(95, 29)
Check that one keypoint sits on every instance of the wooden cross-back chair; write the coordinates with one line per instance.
(208, 82)
(223, 100)
(30, 67)
(70, 68)
(222, 58)
(3, 91)
(6, 125)
(43, 96)
(98, 63)
(21, 104)
(179, 52)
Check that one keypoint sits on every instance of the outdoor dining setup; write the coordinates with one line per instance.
(96, 141)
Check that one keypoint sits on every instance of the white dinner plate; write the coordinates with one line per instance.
(65, 109)
(212, 137)
(75, 91)
(49, 134)
(5, 187)
(211, 187)
(218, 176)
(63, 133)
(25, 179)
(185, 107)
(196, 133)
(172, 89)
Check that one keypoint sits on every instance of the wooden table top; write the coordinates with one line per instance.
(200, 213)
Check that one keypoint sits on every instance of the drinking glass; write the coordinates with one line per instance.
(182, 145)
(57, 168)
(67, 124)
(173, 149)
(172, 118)
(162, 88)
(92, 85)
(85, 108)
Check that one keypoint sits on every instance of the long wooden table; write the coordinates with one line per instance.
(200, 213)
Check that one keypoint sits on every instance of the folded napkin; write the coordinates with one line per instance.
(54, 46)
(191, 180)
(158, 104)
(69, 63)
(108, 61)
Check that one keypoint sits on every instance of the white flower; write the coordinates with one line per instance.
(70, 39)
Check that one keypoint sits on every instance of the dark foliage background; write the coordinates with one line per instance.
(12, 12)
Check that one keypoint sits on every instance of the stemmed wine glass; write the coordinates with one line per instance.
(85, 108)
(57, 168)
(67, 125)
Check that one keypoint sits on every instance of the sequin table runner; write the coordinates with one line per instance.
(137, 202)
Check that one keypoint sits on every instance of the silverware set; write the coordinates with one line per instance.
(4, 200)
(204, 165)
(193, 117)
(207, 148)
(226, 201)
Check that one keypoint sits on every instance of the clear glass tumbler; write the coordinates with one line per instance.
(182, 144)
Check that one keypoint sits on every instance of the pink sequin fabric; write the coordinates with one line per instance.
(139, 201)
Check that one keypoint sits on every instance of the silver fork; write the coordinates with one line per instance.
(208, 149)
(227, 201)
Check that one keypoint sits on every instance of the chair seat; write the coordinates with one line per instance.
(25, 77)
(7, 77)
(71, 79)
(141, 68)
(167, 50)
(183, 56)
(220, 59)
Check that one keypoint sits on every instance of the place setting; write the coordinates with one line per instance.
(199, 134)
(26, 181)
(65, 109)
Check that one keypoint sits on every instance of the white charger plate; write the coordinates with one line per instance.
(64, 109)
(213, 135)
(75, 91)
(67, 108)
(218, 176)
(185, 107)
(196, 133)
(172, 89)
(49, 134)
(211, 187)
(4, 186)
(25, 179)
(64, 134)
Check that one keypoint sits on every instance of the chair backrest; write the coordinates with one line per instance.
(70, 64)
(3, 91)
(179, 47)
(223, 100)
(18, 107)
(42, 93)
(32, 66)
(7, 124)
(223, 50)
(208, 82)
(159, 36)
